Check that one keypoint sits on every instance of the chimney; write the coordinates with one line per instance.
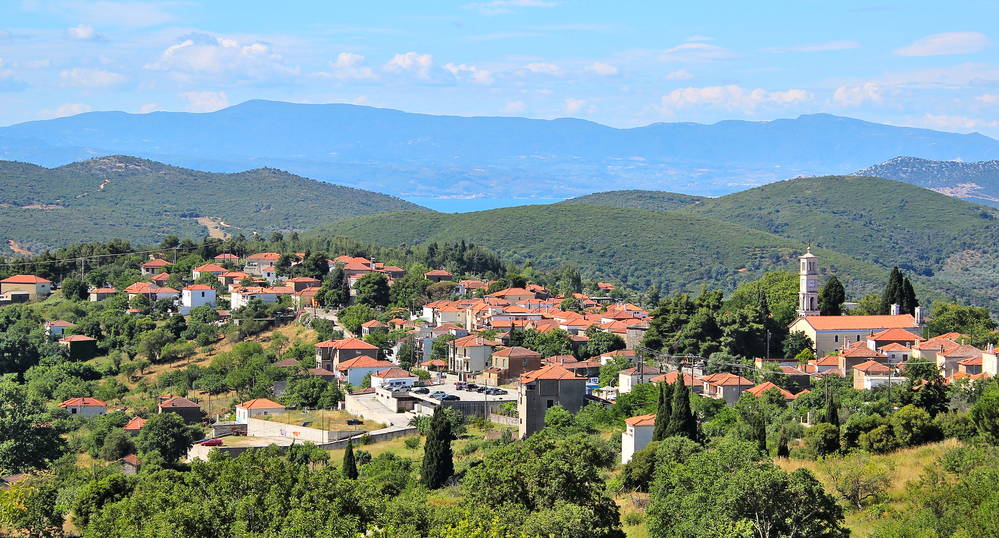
(896, 309)
(918, 314)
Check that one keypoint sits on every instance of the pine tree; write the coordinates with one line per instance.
(664, 412)
(438, 459)
(832, 413)
(349, 469)
(782, 450)
(682, 422)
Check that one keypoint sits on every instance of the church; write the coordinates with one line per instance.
(830, 333)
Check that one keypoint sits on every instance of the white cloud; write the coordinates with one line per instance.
(478, 76)
(731, 97)
(514, 107)
(350, 66)
(602, 69)
(205, 101)
(91, 78)
(69, 109)
(818, 47)
(696, 52)
(953, 123)
(988, 99)
(419, 65)
(497, 7)
(574, 105)
(83, 32)
(543, 68)
(945, 43)
(205, 55)
(857, 95)
(679, 75)
(147, 108)
(699, 38)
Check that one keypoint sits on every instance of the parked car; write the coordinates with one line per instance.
(500, 391)
(421, 390)
(492, 391)
(449, 398)
(211, 442)
(354, 422)
(482, 389)
(459, 385)
(471, 386)
(437, 394)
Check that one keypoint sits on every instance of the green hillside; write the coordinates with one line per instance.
(635, 199)
(142, 201)
(674, 251)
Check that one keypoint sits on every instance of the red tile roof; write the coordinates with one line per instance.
(264, 256)
(135, 424)
(516, 352)
(549, 372)
(758, 390)
(177, 403)
(393, 373)
(364, 361)
(900, 335)
(131, 459)
(199, 287)
(726, 379)
(872, 367)
(210, 268)
(260, 403)
(860, 323)
(77, 338)
(153, 264)
(671, 378)
(346, 343)
(25, 279)
(84, 401)
(641, 420)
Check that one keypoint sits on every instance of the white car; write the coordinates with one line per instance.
(437, 394)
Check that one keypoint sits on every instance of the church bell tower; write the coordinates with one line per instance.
(808, 290)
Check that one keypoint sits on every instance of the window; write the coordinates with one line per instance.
(905, 357)
(551, 403)
(73, 411)
(836, 338)
(858, 337)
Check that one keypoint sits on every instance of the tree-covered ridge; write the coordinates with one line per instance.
(675, 252)
(142, 201)
(973, 181)
(638, 199)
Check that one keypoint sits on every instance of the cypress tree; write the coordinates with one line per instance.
(832, 413)
(349, 469)
(831, 297)
(682, 421)
(909, 301)
(761, 433)
(438, 460)
(893, 292)
(664, 412)
(782, 450)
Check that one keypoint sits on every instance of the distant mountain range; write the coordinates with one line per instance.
(975, 181)
(418, 155)
(143, 201)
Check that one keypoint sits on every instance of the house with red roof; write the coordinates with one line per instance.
(829, 333)
(514, 295)
(630, 378)
(637, 435)
(541, 389)
(208, 268)
(947, 360)
(393, 379)
(510, 363)
(354, 370)
(469, 355)
(872, 374)
(256, 408)
(81, 347)
(438, 275)
(332, 353)
(725, 386)
(183, 407)
(857, 353)
(694, 383)
(300, 283)
(134, 426)
(154, 267)
(196, 295)
(971, 366)
(227, 258)
(55, 329)
(373, 326)
(36, 287)
(85, 406)
(130, 465)
(100, 294)
(758, 391)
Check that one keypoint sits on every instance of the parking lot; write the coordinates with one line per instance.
(466, 396)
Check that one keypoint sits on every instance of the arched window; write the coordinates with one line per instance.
(835, 338)
(813, 303)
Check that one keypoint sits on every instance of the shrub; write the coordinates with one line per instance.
(412, 442)
(880, 440)
(859, 478)
(822, 440)
(632, 519)
(957, 424)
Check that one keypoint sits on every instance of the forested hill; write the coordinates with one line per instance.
(142, 201)
(973, 181)
(674, 251)
(637, 199)
(879, 221)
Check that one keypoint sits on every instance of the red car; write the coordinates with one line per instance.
(212, 442)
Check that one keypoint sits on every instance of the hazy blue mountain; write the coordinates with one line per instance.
(422, 155)
(975, 181)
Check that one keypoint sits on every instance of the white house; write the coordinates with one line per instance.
(57, 329)
(632, 377)
(354, 370)
(88, 407)
(195, 296)
(257, 407)
(637, 435)
(243, 295)
(393, 378)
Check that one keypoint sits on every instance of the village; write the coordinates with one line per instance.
(465, 352)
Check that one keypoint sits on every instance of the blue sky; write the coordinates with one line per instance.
(925, 64)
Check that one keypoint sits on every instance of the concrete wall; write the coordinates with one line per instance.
(634, 439)
(256, 427)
